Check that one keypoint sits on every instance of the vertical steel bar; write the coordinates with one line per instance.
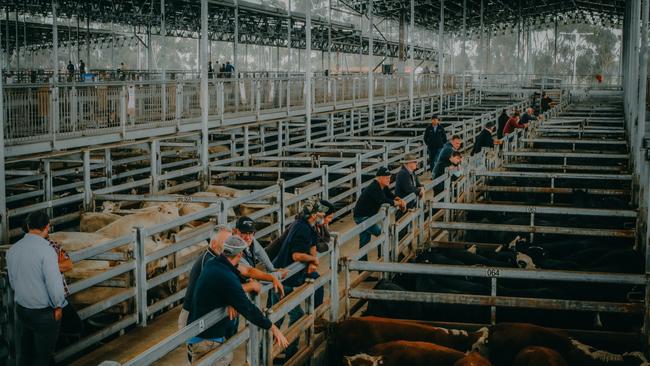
(411, 58)
(140, 275)
(308, 76)
(204, 91)
(441, 59)
(371, 81)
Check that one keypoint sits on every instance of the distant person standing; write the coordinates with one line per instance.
(501, 123)
(39, 292)
(82, 67)
(230, 69)
(70, 69)
(435, 138)
(210, 70)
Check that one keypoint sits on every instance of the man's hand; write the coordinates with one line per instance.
(315, 262)
(421, 194)
(65, 265)
(58, 314)
(283, 272)
(312, 268)
(277, 286)
(232, 313)
(280, 339)
(252, 286)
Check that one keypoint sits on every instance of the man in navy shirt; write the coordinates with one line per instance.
(406, 181)
(484, 139)
(527, 117)
(219, 286)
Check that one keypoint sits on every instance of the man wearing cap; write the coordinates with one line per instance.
(406, 182)
(435, 138)
(323, 230)
(219, 286)
(369, 203)
(300, 246)
(484, 139)
(255, 253)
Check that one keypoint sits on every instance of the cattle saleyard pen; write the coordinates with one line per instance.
(536, 247)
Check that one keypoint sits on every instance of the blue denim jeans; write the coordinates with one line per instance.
(366, 236)
(296, 313)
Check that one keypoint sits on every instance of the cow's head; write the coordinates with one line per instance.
(481, 343)
(364, 359)
(525, 261)
(169, 209)
(110, 206)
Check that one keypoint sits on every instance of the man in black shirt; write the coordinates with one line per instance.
(445, 153)
(527, 117)
(484, 139)
(370, 202)
(435, 138)
(406, 182)
(501, 123)
(219, 286)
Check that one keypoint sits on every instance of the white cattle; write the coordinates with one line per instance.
(93, 221)
(125, 225)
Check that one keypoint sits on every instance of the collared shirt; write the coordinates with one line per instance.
(300, 239)
(371, 199)
(255, 254)
(34, 273)
(195, 272)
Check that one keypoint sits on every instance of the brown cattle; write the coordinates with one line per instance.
(358, 335)
(473, 359)
(398, 353)
(125, 225)
(93, 221)
(506, 340)
(539, 356)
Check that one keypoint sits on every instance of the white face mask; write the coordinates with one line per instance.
(320, 220)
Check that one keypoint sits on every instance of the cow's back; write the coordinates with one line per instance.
(398, 353)
(506, 340)
(125, 225)
(539, 356)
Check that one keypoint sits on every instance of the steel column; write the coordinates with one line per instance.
(411, 58)
(371, 89)
(4, 220)
(203, 57)
(308, 72)
(441, 60)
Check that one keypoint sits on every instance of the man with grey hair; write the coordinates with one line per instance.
(220, 285)
(219, 235)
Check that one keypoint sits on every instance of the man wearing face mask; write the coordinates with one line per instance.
(323, 227)
(300, 246)
(39, 293)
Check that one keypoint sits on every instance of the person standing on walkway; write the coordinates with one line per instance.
(484, 139)
(39, 292)
(435, 138)
(501, 123)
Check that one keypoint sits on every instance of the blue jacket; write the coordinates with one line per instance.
(442, 161)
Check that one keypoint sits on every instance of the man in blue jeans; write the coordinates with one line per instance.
(369, 203)
(300, 245)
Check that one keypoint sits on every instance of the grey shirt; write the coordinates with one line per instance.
(34, 274)
(256, 254)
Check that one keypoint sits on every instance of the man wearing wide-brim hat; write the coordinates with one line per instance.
(406, 181)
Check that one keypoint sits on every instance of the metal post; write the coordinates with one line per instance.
(55, 40)
(308, 72)
(641, 104)
(162, 60)
(4, 220)
(281, 211)
(47, 182)
(235, 45)
(154, 163)
(140, 275)
(334, 278)
(411, 59)
(371, 81)
(204, 91)
(464, 53)
(441, 68)
(279, 138)
(88, 194)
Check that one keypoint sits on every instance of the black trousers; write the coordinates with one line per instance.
(37, 335)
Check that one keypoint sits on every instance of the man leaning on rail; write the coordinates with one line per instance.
(369, 203)
(219, 235)
(220, 286)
